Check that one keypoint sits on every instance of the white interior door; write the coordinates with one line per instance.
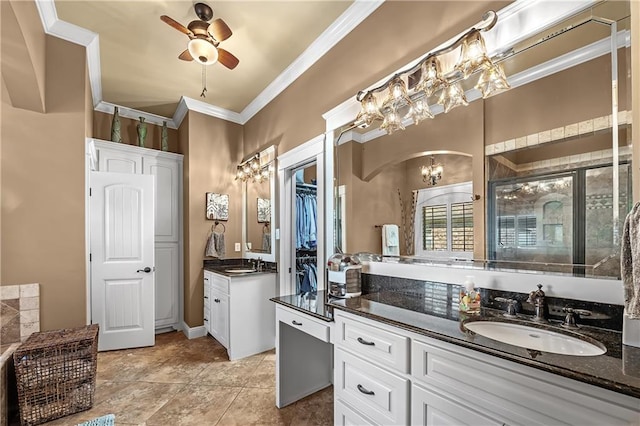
(122, 259)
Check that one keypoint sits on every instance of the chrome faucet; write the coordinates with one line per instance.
(259, 264)
(537, 298)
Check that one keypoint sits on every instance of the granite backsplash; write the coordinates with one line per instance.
(442, 299)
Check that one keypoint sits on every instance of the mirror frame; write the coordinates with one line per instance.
(518, 22)
(270, 154)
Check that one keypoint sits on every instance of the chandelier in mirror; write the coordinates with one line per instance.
(412, 92)
(432, 173)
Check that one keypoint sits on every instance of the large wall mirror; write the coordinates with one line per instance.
(258, 209)
(537, 177)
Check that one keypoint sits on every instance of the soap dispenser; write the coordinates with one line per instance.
(469, 297)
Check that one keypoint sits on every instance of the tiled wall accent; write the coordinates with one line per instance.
(19, 312)
(570, 130)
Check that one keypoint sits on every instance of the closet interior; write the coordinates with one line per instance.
(306, 237)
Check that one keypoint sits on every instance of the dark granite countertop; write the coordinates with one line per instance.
(310, 304)
(223, 271)
(617, 370)
(222, 266)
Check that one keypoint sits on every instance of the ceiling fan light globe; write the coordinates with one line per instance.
(203, 51)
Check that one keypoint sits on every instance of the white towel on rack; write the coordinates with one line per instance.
(390, 240)
(630, 262)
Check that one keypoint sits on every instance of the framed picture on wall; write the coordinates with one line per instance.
(264, 210)
(217, 206)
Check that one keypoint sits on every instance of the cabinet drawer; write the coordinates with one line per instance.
(219, 283)
(317, 329)
(374, 343)
(431, 407)
(374, 390)
(343, 415)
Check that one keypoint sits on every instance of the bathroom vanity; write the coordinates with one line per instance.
(237, 311)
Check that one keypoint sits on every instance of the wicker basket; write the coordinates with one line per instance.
(56, 373)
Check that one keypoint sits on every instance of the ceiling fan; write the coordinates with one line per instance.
(205, 38)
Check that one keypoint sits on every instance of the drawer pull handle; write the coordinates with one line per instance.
(216, 300)
(206, 320)
(294, 322)
(206, 297)
(365, 390)
(206, 279)
(364, 342)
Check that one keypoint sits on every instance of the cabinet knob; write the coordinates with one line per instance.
(216, 300)
(364, 342)
(206, 297)
(206, 279)
(365, 390)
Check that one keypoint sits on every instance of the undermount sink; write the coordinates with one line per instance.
(536, 338)
(239, 270)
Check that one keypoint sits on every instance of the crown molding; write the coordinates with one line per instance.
(212, 110)
(350, 18)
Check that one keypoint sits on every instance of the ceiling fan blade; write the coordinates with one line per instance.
(186, 56)
(227, 59)
(177, 25)
(219, 30)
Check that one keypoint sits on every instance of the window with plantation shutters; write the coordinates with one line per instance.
(444, 222)
(434, 219)
(462, 226)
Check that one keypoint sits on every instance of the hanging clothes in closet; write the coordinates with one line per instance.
(306, 275)
(306, 218)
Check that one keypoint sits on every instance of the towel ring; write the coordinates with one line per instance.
(215, 225)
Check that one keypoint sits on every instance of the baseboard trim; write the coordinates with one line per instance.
(193, 332)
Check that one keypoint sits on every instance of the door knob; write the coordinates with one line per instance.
(146, 269)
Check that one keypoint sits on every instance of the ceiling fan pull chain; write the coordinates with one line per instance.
(204, 82)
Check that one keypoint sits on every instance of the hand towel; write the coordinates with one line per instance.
(266, 242)
(630, 262)
(218, 240)
(390, 240)
(210, 250)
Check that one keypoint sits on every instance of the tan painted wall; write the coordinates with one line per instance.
(43, 236)
(212, 150)
(129, 132)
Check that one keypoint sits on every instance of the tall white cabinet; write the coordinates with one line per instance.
(167, 169)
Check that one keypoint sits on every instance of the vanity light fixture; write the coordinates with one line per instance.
(249, 169)
(432, 173)
(403, 103)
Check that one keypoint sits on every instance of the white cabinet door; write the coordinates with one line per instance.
(207, 302)
(167, 275)
(430, 408)
(117, 161)
(220, 317)
(167, 177)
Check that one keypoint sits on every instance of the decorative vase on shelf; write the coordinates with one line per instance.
(142, 132)
(164, 139)
(115, 126)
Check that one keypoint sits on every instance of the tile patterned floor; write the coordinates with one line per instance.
(192, 382)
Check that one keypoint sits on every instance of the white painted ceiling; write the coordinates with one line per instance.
(139, 65)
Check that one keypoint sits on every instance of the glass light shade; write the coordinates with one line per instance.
(203, 51)
(473, 54)
(397, 95)
(492, 80)
(420, 110)
(392, 121)
(452, 96)
(430, 76)
(370, 111)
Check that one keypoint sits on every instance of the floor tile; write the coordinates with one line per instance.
(195, 405)
(316, 409)
(264, 376)
(255, 406)
(228, 373)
